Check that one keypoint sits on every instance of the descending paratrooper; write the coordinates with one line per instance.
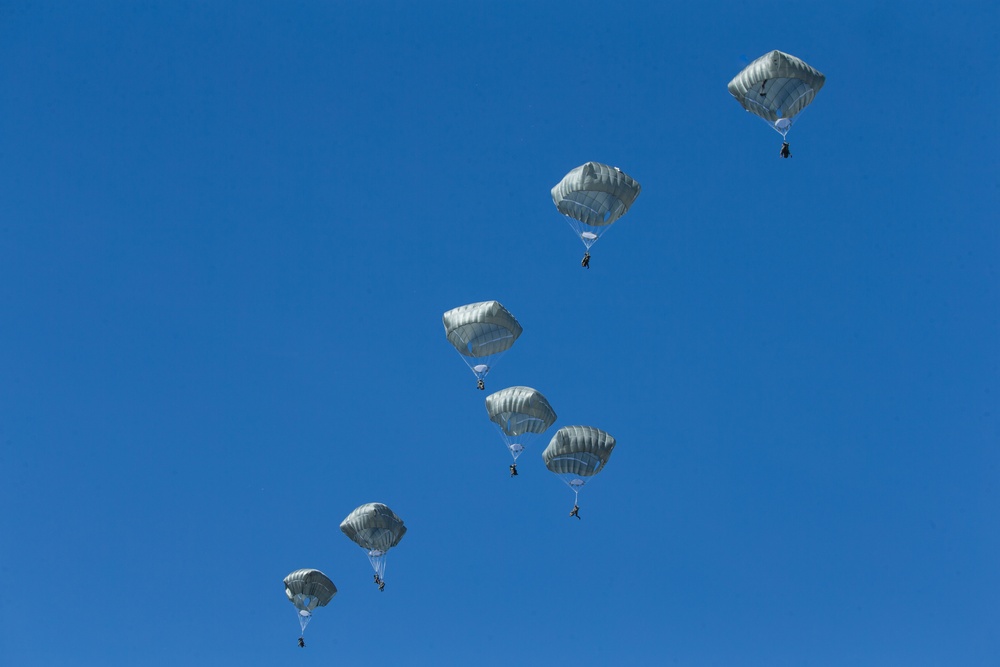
(577, 453)
(777, 87)
(521, 414)
(481, 332)
(308, 589)
(592, 197)
(376, 529)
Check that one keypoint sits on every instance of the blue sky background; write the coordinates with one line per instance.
(228, 232)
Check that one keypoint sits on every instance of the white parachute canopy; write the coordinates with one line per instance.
(308, 589)
(521, 414)
(481, 332)
(592, 197)
(577, 453)
(376, 529)
(776, 87)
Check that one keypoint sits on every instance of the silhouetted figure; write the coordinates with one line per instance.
(481, 384)
(381, 586)
(585, 262)
(302, 642)
(513, 470)
(576, 511)
(784, 150)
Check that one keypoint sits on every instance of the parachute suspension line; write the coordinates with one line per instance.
(765, 112)
(575, 484)
(587, 234)
(304, 618)
(583, 230)
(473, 362)
(377, 559)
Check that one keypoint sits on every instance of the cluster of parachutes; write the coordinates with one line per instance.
(373, 527)
(775, 87)
(481, 332)
(575, 453)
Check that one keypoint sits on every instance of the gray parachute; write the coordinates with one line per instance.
(376, 529)
(521, 413)
(308, 589)
(592, 197)
(577, 453)
(481, 332)
(776, 87)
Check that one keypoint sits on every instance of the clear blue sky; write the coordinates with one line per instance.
(228, 231)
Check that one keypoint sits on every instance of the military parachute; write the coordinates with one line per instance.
(481, 332)
(521, 414)
(577, 453)
(376, 529)
(777, 87)
(308, 589)
(592, 197)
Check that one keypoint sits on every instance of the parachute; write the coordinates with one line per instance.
(577, 453)
(521, 413)
(376, 529)
(592, 197)
(308, 589)
(776, 87)
(481, 332)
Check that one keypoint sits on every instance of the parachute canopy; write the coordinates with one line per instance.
(776, 87)
(308, 589)
(481, 332)
(577, 453)
(519, 413)
(374, 526)
(592, 197)
(376, 529)
(519, 410)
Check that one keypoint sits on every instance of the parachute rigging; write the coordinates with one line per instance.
(308, 589)
(481, 332)
(521, 414)
(376, 529)
(776, 87)
(577, 453)
(592, 197)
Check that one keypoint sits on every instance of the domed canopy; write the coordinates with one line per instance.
(776, 87)
(374, 527)
(481, 329)
(578, 451)
(520, 410)
(308, 589)
(595, 194)
(481, 332)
